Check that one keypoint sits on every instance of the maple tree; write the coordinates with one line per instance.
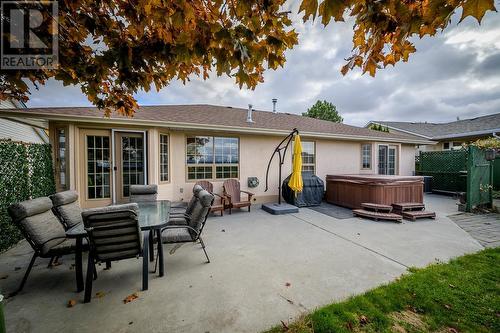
(114, 48)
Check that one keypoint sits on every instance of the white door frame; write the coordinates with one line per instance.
(113, 152)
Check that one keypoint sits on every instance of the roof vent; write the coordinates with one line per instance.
(275, 100)
(249, 114)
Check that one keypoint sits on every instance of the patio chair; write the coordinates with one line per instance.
(185, 212)
(233, 192)
(208, 186)
(42, 230)
(114, 234)
(67, 208)
(143, 193)
(191, 232)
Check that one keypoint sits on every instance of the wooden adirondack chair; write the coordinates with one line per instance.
(233, 192)
(216, 207)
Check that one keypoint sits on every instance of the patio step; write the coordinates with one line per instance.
(376, 207)
(377, 215)
(420, 214)
(408, 206)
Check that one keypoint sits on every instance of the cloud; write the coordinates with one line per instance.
(455, 73)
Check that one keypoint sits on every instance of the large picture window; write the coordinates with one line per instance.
(366, 156)
(164, 158)
(210, 157)
(308, 156)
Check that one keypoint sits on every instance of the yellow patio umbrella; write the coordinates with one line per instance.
(295, 181)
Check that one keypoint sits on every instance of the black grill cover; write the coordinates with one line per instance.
(311, 195)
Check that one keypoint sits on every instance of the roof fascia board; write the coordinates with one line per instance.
(178, 125)
(401, 130)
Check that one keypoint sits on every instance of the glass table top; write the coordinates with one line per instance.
(152, 215)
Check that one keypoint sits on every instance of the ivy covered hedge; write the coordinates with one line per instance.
(26, 172)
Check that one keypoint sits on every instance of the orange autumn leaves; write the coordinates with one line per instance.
(382, 29)
(114, 49)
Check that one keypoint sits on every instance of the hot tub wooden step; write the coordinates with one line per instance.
(408, 206)
(376, 207)
(418, 214)
(377, 215)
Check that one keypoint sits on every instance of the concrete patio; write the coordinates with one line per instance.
(264, 269)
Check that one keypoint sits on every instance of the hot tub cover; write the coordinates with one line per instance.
(311, 195)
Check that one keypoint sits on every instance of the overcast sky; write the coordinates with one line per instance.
(455, 74)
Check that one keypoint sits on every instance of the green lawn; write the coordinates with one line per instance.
(461, 296)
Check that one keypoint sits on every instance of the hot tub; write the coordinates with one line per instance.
(351, 190)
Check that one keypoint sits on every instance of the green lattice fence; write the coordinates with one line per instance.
(479, 179)
(448, 169)
(25, 172)
(496, 174)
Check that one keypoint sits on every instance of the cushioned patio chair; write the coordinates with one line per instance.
(43, 231)
(67, 208)
(216, 207)
(191, 232)
(185, 212)
(233, 192)
(143, 193)
(114, 234)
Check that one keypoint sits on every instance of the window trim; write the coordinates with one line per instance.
(169, 154)
(396, 158)
(213, 165)
(315, 155)
(371, 155)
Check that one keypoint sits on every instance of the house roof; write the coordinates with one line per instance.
(212, 117)
(461, 128)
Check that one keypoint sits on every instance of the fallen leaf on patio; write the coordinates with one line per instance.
(3, 277)
(363, 320)
(130, 298)
(71, 303)
(100, 294)
(285, 326)
(223, 230)
(130, 322)
(288, 284)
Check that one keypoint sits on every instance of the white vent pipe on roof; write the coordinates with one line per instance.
(249, 114)
(275, 100)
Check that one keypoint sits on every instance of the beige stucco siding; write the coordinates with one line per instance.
(332, 157)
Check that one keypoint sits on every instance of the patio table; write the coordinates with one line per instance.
(153, 216)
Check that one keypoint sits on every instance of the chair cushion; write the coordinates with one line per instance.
(144, 189)
(71, 214)
(64, 198)
(176, 235)
(68, 246)
(111, 209)
(20, 210)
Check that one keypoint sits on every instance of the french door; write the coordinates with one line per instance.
(387, 158)
(130, 163)
(107, 170)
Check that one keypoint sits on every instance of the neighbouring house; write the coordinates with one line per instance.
(447, 136)
(176, 145)
(21, 129)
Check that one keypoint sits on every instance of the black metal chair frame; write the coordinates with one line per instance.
(91, 273)
(38, 253)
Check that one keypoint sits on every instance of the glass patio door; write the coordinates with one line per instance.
(387, 160)
(95, 179)
(130, 163)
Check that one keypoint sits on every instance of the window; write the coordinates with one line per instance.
(164, 158)
(387, 159)
(446, 146)
(366, 156)
(308, 156)
(210, 157)
(98, 167)
(61, 159)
